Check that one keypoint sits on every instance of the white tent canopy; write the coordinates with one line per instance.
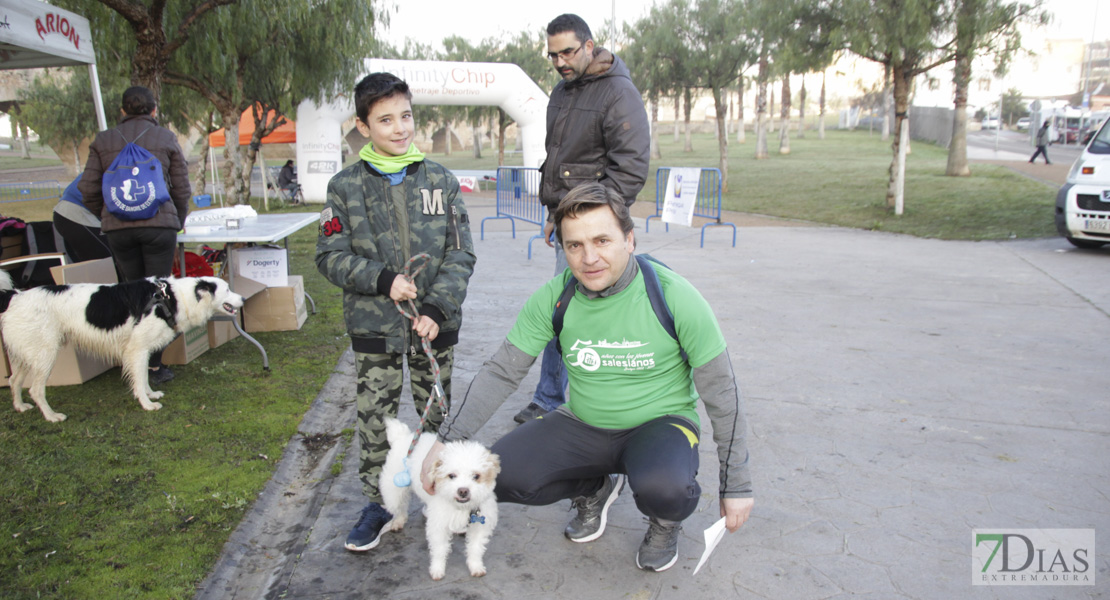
(34, 34)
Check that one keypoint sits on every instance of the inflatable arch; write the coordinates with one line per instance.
(319, 135)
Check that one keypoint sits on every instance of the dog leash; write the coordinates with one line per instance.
(439, 397)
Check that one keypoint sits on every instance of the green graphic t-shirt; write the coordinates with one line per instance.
(624, 368)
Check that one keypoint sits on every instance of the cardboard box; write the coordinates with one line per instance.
(221, 332)
(102, 270)
(186, 347)
(266, 265)
(73, 367)
(11, 246)
(276, 308)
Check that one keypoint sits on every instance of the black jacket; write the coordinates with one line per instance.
(597, 130)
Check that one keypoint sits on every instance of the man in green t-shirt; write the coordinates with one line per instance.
(633, 391)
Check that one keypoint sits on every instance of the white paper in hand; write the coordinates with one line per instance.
(713, 536)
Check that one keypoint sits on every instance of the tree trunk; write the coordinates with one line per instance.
(24, 142)
(802, 109)
(784, 133)
(761, 110)
(233, 166)
(148, 64)
(687, 106)
(447, 139)
(961, 79)
(722, 136)
(201, 177)
(655, 153)
(477, 135)
(886, 105)
(821, 119)
(677, 105)
(740, 111)
(957, 150)
(896, 188)
(771, 111)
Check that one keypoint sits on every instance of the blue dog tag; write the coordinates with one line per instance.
(403, 479)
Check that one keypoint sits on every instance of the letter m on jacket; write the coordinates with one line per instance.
(433, 201)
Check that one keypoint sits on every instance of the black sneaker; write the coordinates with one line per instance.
(368, 531)
(532, 411)
(593, 511)
(160, 375)
(659, 550)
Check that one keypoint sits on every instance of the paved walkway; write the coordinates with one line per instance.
(900, 392)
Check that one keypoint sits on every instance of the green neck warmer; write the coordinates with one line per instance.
(390, 164)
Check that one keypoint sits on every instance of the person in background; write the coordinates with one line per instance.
(141, 248)
(287, 180)
(79, 228)
(1042, 144)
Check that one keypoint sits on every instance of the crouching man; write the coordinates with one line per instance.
(634, 389)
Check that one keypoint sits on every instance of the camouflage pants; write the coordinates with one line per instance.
(378, 395)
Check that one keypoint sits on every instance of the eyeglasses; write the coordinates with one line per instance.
(566, 55)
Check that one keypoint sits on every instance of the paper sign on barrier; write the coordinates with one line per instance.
(681, 196)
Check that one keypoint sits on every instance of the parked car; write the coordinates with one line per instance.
(990, 123)
(1083, 203)
(1022, 124)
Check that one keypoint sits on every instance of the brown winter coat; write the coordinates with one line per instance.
(160, 142)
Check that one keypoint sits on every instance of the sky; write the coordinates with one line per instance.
(432, 20)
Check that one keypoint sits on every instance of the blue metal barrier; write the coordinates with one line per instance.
(708, 203)
(518, 197)
(34, 190)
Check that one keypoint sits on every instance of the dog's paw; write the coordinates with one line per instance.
(156, 395)
(22, 406)
(396, 524)
(477, 570)
(55, 417)
(152, 406)
(437, 571)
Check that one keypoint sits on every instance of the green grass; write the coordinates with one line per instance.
(117, 502)
(15, 162)
(842, 180)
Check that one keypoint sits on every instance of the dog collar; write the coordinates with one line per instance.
(158, 303)
(476, 517)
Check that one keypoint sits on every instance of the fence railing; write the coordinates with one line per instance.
(518, 198)
(33, 190)
(708, 204)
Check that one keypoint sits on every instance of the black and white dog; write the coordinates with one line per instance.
(124, 322)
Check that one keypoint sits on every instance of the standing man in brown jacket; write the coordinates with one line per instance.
(142, 248)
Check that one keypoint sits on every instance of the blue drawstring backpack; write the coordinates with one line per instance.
(133, 186)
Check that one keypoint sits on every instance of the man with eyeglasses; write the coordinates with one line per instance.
(597, 130)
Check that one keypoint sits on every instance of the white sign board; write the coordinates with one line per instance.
(36, 34)
(681, 196)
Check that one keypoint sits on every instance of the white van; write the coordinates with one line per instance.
(1083, 203)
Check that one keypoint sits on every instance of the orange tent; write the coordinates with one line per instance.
(286, 134)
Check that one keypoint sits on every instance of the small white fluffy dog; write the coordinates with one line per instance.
(465, 476)
(124, 322)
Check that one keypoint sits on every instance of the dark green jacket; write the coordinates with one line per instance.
(368, 231)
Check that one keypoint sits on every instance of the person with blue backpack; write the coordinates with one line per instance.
(641, 347)
(137, 181)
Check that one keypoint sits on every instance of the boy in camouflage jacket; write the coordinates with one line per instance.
(388, 207)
